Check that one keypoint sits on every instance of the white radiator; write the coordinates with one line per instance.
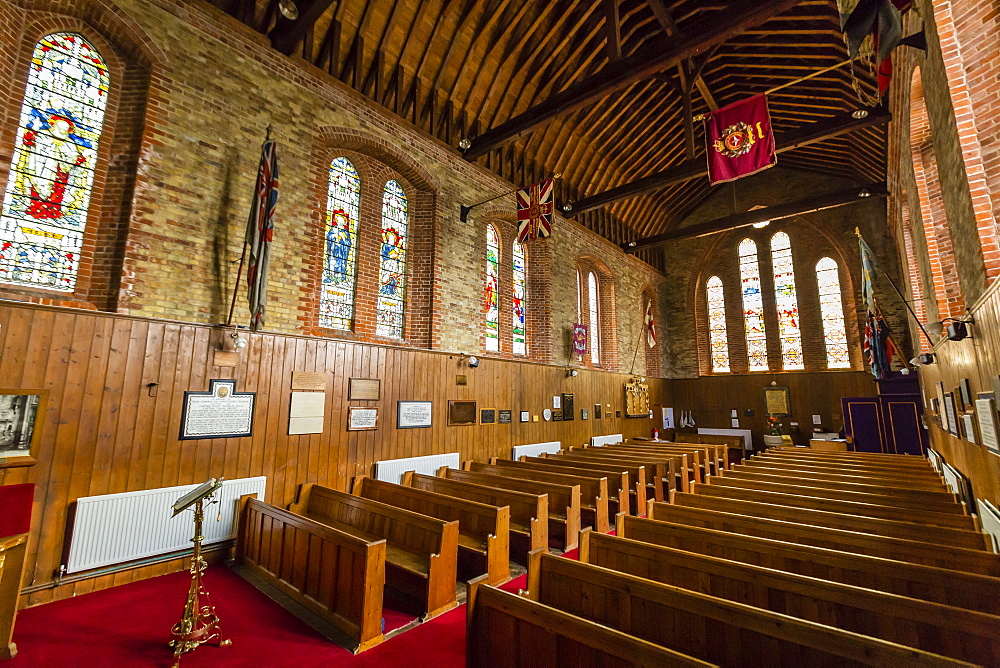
(953, 478)
(392, 470)
(989, 518)
(935, 459)
(535, 449)
(610, 439)
(115, 528)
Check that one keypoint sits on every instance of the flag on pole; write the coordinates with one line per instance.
(650, 326)
(869, 272)
(260, 232)
(534, 211)
(739, 140)
(878, 345)
(579, 339)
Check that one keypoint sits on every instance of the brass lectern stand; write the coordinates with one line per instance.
(199, 624)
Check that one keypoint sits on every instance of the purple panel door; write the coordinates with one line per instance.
(904, 433)
(863, 423)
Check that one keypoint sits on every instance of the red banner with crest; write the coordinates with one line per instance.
(739, 140)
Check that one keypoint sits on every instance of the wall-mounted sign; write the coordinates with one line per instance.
(222, 412)
(525, 416)
(557, 416)
(364, 389)
(361, 418)
(413, 414)
(310, 381)
(776, 401)
(461, 412)
(584, 414)
(547, 414)
(488, 416)
(567, 406)
(950, 413)
(504, 416)
(986, 412)
(597, 411)
(305, 416)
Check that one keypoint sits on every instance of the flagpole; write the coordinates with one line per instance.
(236, 288)
(642, 330)
(463, 211)
(899, 294)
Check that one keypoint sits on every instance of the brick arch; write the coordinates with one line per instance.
(653, 356)
(607, 305)
(134, 65)
(376, 163)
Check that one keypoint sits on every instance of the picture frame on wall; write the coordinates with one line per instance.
(362, 418)
(525, 416)
(505, 416)
(414, 414)
(364, 389)
(965, 391)
(986, 416)
(488, 416)
(777, 402)
(20, 431)
(462, 413)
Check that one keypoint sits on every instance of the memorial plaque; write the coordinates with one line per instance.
(597, 411)
(309, 381)
(225, 358)
(584, 414)
(413, 414)
(306, 413)
(462, 412)
(488, 416)
(969, 428)
(965, 391)
(557, 416)
(364, 389)
(360, 418)
(525, 416)
(567, 406)
(986, 412)
(504, 416)
(950, 413)
(222, 412)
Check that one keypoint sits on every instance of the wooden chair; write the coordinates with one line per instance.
(421, 553)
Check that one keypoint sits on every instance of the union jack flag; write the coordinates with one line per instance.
(534, 211)
(260, 231)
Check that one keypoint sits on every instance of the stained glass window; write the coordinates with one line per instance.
(492, 293)
(718, 339)
(753, 306)
(519, 287)
(340, 261)
(832, 310)
(392, 269)
(786, 302)
(595, 319)
(45, 205)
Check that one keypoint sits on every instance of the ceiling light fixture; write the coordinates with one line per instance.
(859, 114)
(763, 223)
(568, 206)
(464, 143)
(864, 193)
(288, 9)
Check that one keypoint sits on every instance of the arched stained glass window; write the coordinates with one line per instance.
(340, 260)
(519, 288)
(786, 302)
(718, 339)
(392, 261)
(595, 318)
(492, 292)
(832, 310)
(44, 212)
(753, 306)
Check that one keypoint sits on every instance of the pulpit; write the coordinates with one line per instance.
(15, 521)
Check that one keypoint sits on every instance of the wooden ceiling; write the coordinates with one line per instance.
(458, 68)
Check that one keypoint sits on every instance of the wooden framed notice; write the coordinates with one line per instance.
(950, 413)
(505, 416)
(597, 411)
(956, 394)
(488, 416)
(461, 413)
(567, 406)
(584, 414)
(986, 414)
(969, 428)
(557, 415)
(413, 414)
(20, 433)
(364, 389)
(362, 418)
(776, 401)
(221, 412)
(965, 392)
(939, 388)
(309, 381)
(525, 416)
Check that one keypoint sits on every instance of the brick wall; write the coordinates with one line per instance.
(180, 164)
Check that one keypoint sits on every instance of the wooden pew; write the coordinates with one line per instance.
(529, 513)
(510, 631)
(801, 487)
(874, 457)
(337, 576)
(593, 490)
(564, 501)
(962, 634)
(946, 520)
(813, 481)
(732, 443)
(619, 482)
(736, 520)
(777, 468)
(706, 627)
(701, 455)
(421, 553)
(713, 456)
(929, 583)
(653, 470)
(886, 471)
(635, 477)
(678, 464)
(865, 524)
(483, 530)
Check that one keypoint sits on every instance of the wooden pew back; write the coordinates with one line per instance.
(646, 473)
(918, 462)
(633, 482)
(883, 470)
(335, 575)
(713, 457)
(709, 628)
(814, 481)
(678, 464)
(618, 480)
(794, 470)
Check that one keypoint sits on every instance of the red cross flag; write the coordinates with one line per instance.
(650, 326)
(534, 211)
(739, 140)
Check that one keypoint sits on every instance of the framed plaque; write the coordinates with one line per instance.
(969, 428)
(309, 381)
(221, 412)
(413, 414)
(362, 418)
(584, 414)
(364, 389)
(461, 412)
(557, 415)
(525, 416)
(965, 392)
(950, 413)
(567, 407)
(986, 415)
(597, 411)
(776, 401)
(504, 416)
(19, 435)
(488, 416)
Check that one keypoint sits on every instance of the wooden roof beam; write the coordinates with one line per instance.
(777, 212)
(622, 73)
(690, 169)
(286, 35)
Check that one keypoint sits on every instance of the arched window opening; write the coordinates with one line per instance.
(519, 288)
(786, 302)
(492, 289)
(832, 311)
(45, 206)
(595, 318)
(718, 338)
(753, 306)
(392, 269)
(340, 262)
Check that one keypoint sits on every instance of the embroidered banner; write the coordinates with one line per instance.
(739, 140)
